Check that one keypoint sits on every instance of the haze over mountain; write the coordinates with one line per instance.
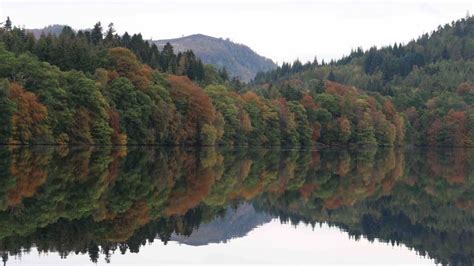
(238, 59)
(53, 29)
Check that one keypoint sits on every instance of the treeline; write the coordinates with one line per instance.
(451, 41)
(429, 80)
(124, 101)
(100, 200)
(129, 103)
(85, 50)
(106, 93)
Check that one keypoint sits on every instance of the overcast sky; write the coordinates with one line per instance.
(282, 30)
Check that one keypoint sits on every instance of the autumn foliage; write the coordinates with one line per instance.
(130, 103)
(28, 119)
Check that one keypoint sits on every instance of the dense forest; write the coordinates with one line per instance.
(116, 199)
(429, 81)
(96, 87)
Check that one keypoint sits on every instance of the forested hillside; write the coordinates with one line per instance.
(238, 60)
(86, 50)
(430, 82)
(96, 87)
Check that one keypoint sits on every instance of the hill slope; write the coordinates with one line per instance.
(53, 29)
(430, 81)
(238, 59)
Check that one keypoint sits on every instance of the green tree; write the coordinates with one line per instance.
(7, 107)
(8, 24)
(96, 34)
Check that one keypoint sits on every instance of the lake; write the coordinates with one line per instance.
(161, 206)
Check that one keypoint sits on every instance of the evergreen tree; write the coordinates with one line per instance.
(168, 59)
(110, 36)
(125, 40)
(200, 70)
(331, 76)
(155, 56)
(445, 53)
(223, 74)
(8, 24)
(96, 34)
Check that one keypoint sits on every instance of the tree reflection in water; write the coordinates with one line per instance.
(104, 200)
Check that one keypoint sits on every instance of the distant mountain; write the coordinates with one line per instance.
(238, 59)
(53, 29)
(236, 223)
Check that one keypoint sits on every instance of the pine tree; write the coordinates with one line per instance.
(168, 58)
(96, 34)
(155, 56)
(445, 53)
(223, 74)
(126, 40)
(8, 24)
(199, 70)
(331, 76)
(110, 36)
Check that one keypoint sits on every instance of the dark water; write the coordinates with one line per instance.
(155, 205)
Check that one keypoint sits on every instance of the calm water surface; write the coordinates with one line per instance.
(156, 206)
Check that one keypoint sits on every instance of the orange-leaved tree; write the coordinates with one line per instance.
(28, 120)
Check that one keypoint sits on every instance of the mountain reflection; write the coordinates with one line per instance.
(105, 200)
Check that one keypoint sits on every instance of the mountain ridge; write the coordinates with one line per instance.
(238, 59)
(54, 29)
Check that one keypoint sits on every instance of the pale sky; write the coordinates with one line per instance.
(282, 30)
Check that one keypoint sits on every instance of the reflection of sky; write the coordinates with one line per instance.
(272, 243)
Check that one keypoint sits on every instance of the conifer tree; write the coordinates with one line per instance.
(331, 76)
(8, 24)
(96, 34)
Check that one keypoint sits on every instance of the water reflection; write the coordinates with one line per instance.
(104, 200)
